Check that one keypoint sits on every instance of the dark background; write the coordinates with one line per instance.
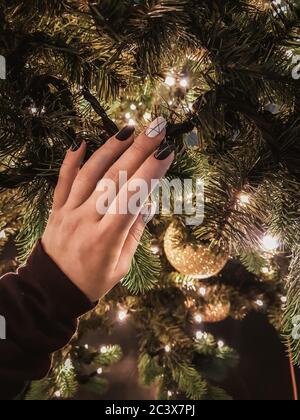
(263, 372)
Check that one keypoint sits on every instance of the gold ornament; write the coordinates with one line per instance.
(216, 302)
(261, 4)
(198, 261)
(216, 312)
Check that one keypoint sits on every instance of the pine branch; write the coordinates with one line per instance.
(112, 355)
(292, 311)
(254, 262)
(96, 385)
(66, 380)
(145, 270)
(39, 391)
(189, 381)
(149, 369)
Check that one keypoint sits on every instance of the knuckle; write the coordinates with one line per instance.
(83, 178)
(139, 147)
(70, 223)
(137, 233)
(62, 180)
(66, 167)
(112, 175)
(106, 233)
(102, 154)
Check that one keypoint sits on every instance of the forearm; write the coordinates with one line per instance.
(40, 306)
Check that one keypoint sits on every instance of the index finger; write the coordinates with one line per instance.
(98, 164)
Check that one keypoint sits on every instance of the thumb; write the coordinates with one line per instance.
(134, 237)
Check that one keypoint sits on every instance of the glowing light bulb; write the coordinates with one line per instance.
(202, 291)
(133, 107)
(33, 110)
(170, 393)
(270, 243)
(57, 394)
(198, 318)
(99, 371)
(147, 116)
(103, 349)
(221, 344)
(155, 249)
(128, 115)
(199, 335)
(283, 299)
(131, 121)
(265, 270)
(167, 348)
(170, 81)
(260, 303)
(184, 83)
(2, 234)
(244, 199)
(122, 315)
(68, 364)
(86, 346)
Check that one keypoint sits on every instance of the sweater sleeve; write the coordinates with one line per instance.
(39, 308)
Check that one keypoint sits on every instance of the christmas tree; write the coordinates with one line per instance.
(225, 74)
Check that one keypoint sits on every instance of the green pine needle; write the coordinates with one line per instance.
(145, 270)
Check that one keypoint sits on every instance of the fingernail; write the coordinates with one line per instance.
(156, 127)
(164, 150)
(76, 145)
(125, 133)
(148, 212)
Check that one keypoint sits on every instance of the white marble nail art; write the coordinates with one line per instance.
(156, 127)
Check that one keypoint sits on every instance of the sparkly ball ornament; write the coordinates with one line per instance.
(216, 312)
(198, 261)
(261, 4)
(216, 304)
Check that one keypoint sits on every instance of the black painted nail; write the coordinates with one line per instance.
(76, 145)
(164, 150)
(125, 133)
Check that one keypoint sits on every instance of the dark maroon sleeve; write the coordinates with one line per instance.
(40, 306)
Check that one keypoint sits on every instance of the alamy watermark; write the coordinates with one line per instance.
(2, 67)
(171, 197)
(296, 68)
(2, 328)
(296, 325)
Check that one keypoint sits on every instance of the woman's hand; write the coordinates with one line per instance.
(95, 249)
